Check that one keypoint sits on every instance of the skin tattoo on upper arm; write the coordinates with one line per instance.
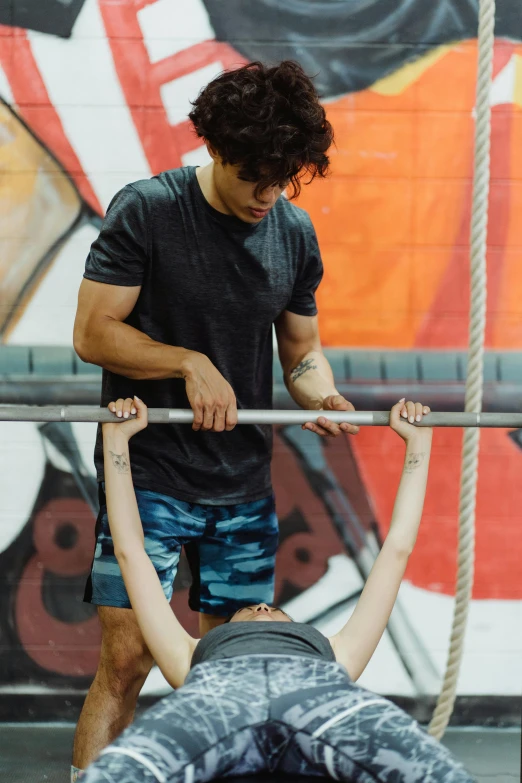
(120, 462)
(302, 367)
(413, 461)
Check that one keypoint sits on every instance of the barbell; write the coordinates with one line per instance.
(91, 413)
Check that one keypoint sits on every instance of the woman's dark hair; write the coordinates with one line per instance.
(267, 120)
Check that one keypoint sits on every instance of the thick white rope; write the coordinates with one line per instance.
(474, 382)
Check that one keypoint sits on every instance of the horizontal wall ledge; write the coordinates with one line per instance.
(371, 379)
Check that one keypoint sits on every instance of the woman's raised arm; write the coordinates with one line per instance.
(356, 642)
(169, 643)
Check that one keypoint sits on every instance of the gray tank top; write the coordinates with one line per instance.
(262, 638)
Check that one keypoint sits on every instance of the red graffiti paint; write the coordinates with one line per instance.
(35, 107)
(433, 564)
(71, 649)
(141, 80)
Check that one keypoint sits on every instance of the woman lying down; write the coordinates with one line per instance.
(263, 692)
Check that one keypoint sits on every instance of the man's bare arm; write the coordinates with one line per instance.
(307, 372)
(101, 337)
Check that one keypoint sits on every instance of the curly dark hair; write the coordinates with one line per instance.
(267, 120)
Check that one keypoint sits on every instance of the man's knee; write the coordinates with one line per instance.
(124, 671)
(125, 660)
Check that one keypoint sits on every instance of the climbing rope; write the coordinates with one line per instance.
(474, 382)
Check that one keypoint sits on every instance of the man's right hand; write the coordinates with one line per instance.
(210, 395)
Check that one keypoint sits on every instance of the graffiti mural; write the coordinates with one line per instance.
(95, 94)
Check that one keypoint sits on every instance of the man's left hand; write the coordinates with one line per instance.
(327, 428)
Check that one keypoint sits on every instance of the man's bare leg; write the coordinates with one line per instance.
(110, 704)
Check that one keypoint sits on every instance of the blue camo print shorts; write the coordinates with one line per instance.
(231, 552)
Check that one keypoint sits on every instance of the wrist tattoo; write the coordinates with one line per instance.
(302, 367)
(120, 462)
(414, 461)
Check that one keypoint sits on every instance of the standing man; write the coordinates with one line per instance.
(190, 272)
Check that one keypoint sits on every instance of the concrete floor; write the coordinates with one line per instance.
(40, 753)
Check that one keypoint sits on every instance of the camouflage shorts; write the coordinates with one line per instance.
(230, 549)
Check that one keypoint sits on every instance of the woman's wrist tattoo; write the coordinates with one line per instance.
(414, 461)
(120, 462)
(302, 367)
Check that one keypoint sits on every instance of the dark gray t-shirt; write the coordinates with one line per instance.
(209, 283)
(262, 638)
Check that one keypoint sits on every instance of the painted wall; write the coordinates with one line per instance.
(94, 94)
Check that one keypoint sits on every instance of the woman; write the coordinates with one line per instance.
(262, 692)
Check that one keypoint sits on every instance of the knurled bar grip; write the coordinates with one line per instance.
(89, 413)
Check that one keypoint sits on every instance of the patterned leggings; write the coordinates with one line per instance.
(254, 713)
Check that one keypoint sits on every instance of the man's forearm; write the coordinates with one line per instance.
(126, 351)
(310, 380)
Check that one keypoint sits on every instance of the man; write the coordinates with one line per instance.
(190, 272)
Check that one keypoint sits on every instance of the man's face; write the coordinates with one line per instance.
(238, 194)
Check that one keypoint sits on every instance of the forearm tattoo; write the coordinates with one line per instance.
(302, 367)
(120, 462)
(414, 461)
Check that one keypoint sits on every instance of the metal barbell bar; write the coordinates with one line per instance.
(90, 413)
